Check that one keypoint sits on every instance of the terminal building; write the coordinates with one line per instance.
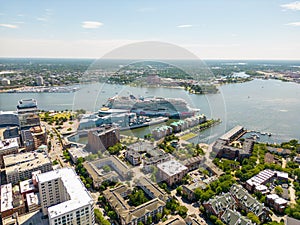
(64, 198)
(20, 166)
(232, 134)
(223, 149)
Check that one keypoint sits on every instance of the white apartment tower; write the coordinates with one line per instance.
(64, 198)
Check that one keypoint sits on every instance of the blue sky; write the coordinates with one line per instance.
(228, 29)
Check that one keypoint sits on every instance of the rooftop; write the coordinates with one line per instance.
(25, 161)
(27, 103)
(78, 152)
(32, 199)
(26, 185)
(79, 196)
(231, 133)
(264, 176)
(6, 197)
(172, 167)
(156, 191)
(9, 143)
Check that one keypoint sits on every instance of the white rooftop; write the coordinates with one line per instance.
(6, 197)
(172, 167)
(26, 185)
(261, 178)
(9, 143)
(79, 196)
(78, 152)
(281, 201)
(282, 174)
(32, 199)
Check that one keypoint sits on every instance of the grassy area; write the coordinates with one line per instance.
(56, 115)
(188, 136)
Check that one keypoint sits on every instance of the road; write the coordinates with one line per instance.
(56, 151)
(283, 162)
(292, 192)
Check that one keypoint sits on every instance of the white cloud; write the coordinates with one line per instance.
(294, 24)
(185, 26)
(292, 6)
(91, 24)
(8, 26)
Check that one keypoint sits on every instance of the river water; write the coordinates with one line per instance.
(263, 105)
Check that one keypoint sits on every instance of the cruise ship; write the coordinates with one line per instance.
(151, 106)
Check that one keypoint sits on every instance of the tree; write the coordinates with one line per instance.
(149, 220)
(106, 168)
(253, 218)
(179, 191)
(113, 215)
(158, 216)
(99, 218)
(278, 190)
(182, 211)
(137, 197)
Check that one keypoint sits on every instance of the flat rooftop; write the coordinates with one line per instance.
(231, 133)
(26, 185)
(6, 197)
(25, 161)
(27, 103)
(32, 199)
(9, 143)
(79, 196)
(171, 167)
(78, 152)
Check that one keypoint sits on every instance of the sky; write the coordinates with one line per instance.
(211, 29)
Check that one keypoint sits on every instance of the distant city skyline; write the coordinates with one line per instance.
(209, 29)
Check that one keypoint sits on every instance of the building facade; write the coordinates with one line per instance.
(64, 198)
(101, 138)
(20, 166)
(171, 171)
(7, 147)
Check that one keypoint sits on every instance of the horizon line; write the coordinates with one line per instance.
(95, 58)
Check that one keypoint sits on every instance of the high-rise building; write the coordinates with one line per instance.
(28, 114)
(101, 138)
(64, 198)
(39, 81)
(5, 82)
